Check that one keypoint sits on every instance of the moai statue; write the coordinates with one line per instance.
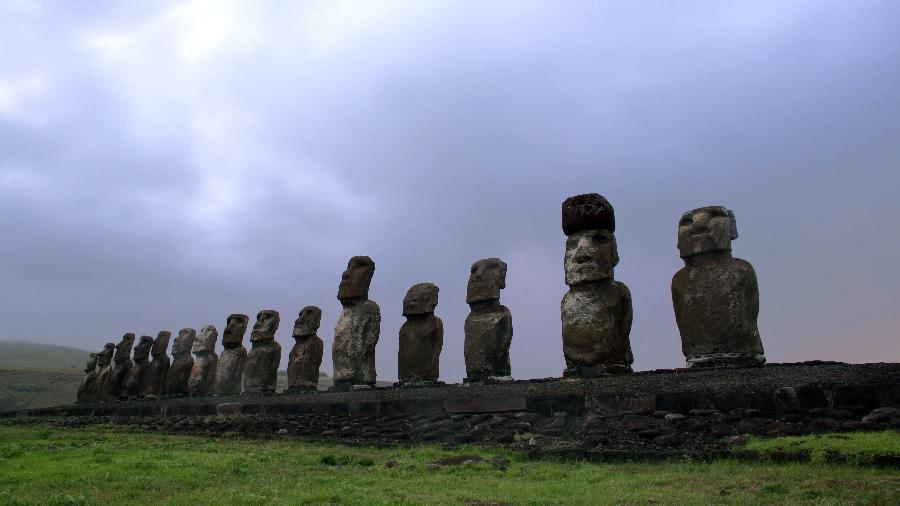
(306, 355)
(488, 329)
(358, 328)
(104, 361)
(715, 295)
(135, 383)
(596, 312)
(261, 372)
(421, 337)
(182, 363)
(155, 378)
(88, 388)
(202, 380)
(121, 368)
(230, 370)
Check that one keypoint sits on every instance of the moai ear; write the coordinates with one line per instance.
(734, 232)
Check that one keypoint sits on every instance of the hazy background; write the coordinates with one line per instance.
(163, 165)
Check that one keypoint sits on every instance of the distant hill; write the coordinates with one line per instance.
(22, 355)
(34, 375)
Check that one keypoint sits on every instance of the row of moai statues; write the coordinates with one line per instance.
(715, 297)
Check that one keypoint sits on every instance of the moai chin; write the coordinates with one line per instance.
(421, 337)
(138, 374)
(261, 371)
(488, 328)
(87, 389)
(202, 380)
(155, 377)
(116, 384)
(357, 329)
(596, 312)
(716, 296)
(104, 364)
(233, 358)
(182, 363)
(306, 355)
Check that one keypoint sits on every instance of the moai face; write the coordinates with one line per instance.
(235, 329)
(184, 342)
(421, 299)
(142, 350)
(267, 322)
(123, 349)
(161, 344)
(105, 356)
(91, 363)
(356, 279)
(705, 230)
(487, 278)
(206, 341)
(591, 256)
(308, 321)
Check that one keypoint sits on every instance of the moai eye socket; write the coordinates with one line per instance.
(685, 221)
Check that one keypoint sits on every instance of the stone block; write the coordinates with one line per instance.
(683, 402)
(811, 397)
(618, 403)
(408, 407)
(549, 404)
(888, 394)
(365, 408)
(486, 404)
(859, 395)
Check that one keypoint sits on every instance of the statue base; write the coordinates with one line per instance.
(727, 360)
(597, 371)
(419, 383)
(350, 386)
(489, 379)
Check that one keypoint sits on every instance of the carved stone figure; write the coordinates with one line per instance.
(261, 372)
(202, 380)
(488, 328)
(421, 337)
(104, 364)
(230, 370)
(121, 368)
(87, 391)
(596, 312)
(155, 377)
(182, 363)
(135, 383)
(306, 355)
(716, 296)
(357, 329)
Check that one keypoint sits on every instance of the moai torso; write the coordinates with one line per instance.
(138, 374)
(596, 311)
(261, 371)
(202, 380)
(357, 329)
(715, 296)
(155, 377)
(306, 355)
(121, 368)
(488, 329)
(104, 369)
(421, 336)
(87, 390)
(182, 363)
(233, 359)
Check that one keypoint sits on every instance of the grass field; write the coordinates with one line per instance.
(103, 465)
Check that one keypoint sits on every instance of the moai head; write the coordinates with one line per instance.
(356, 279)
(161, 344)
(267, 322)
(142, 349)
(591, 256)
(420, 299)
(235, 328)
(705, 230)
(105, 357)
(307, 323)
(91, 363)
(487, 278)
(184, 342)
(206, 341)
(123, 349)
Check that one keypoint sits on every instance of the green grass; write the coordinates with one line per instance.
(855, 447)
(106, 465)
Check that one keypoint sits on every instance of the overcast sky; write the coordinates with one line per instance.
(165, 164)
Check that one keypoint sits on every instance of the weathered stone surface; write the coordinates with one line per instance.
(155, 378)
(121, 368)
(596, 312)
(421, 336)
(233, 359)
(104, 369)
(135, 382)
(202, 380)
(357, 329)
(182, 363)
(485, 404)
(261, 372)
(716, 296)
(488, 328)
(87, 391)
(306, 355)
